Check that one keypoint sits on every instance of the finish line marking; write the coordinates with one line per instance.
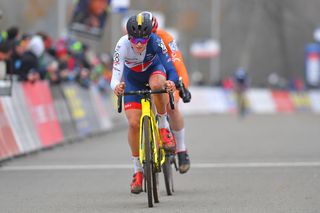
(129, 166)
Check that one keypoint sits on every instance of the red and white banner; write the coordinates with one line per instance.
(20, 120)
(8, 145)
(283, 101)
(40, 104)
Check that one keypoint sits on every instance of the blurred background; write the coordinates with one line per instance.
(253, 140)
(266, 37)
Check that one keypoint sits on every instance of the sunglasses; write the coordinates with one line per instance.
(139, 40)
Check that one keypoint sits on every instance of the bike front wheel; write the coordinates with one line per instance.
(155, 184)
(147, 166)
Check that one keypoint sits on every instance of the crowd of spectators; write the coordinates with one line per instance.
(34, 57)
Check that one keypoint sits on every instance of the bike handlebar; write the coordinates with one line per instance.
(145, 93)
(181, 87)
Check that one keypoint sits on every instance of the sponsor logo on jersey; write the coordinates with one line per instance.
(173, 46)
(149, 57)
(115, 68)
(174, 57)
(163, 47)
(116, 59)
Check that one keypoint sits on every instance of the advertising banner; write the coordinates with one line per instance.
(261, 101)
(219, 101)
(66, 123)
(8, 144)
(312, 64)
(20, 120)
(198, 103)
(231, 101)
(76, 108)
(89, 17)
(205, 100)
(120, 6)
(300, 101)
(81, 108)
(314, 96)
(104, 116)
(84, 94)
(282, 101)
(44, 116)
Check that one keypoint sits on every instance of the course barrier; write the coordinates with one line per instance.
(259, 101)
(39, 115)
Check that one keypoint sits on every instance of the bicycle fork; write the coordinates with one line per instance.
(154, 136)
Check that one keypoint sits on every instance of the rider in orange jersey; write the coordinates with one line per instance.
(176, 119)
(174, 53)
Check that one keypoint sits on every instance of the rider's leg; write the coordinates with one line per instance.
(157, 82)
(133, 117)
(177, 127)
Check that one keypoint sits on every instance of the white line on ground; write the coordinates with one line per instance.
(129, 166)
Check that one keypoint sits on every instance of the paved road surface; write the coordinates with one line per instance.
(265, 163)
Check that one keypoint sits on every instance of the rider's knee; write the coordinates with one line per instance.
(134, 124)
(157, 82)
(174, 112)
(156, 85)
(170, 111)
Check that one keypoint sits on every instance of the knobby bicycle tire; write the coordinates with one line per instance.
(167, 173)
(147, 163)
(155, 180)
(155, 185)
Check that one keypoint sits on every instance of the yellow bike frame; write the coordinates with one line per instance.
(155, 136)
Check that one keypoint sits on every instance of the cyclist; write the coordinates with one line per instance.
(143, 59)
(241, 80)
(176, 118)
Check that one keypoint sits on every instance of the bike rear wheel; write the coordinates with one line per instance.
(147, 166)
(168, 174)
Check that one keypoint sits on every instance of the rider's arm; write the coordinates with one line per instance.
(175, 55)
(118, 64)
(166, 61)
(177, 61)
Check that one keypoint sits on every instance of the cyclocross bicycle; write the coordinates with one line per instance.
(151, 153)
(241, 100)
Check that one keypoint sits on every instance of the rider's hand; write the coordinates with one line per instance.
(186, 96)
(119, 90)
(170, 86)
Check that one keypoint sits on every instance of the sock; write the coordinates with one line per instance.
(179, 135)
(163, 121)
(136, 165)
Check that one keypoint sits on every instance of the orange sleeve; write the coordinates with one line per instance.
(175, 55)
